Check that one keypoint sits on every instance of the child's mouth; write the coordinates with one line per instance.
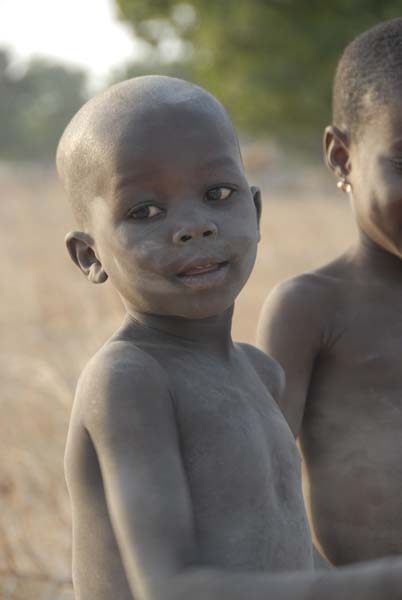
(204, 275)
(197, 270)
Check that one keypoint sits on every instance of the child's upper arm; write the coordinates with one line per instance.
(129, 415)
(290, 330)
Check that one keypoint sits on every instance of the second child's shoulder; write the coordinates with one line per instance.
(120, 379)
(306, 290)
(303, 308)
(309, 295)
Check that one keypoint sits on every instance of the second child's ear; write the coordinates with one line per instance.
(255, 192)
(336, 151)
(79, 246)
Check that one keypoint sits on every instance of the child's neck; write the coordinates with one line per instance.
(212, 333)
(375, 262)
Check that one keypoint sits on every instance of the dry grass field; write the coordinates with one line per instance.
(52, 320)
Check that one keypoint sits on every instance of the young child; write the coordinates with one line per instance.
(183, 474)
(338, 330)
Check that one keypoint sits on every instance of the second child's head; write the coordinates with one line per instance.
(153, 170)
(364, 143)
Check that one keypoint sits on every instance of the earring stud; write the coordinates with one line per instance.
(344, 186)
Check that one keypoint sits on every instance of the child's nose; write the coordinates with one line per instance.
(185, 233)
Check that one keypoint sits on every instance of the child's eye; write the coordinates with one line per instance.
(219, 193)
(145, 212)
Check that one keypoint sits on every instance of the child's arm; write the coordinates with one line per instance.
(291, 331)
(129, 414)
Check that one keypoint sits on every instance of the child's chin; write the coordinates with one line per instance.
(204, 310)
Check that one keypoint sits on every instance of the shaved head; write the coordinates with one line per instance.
(368, 76)
(92, 139)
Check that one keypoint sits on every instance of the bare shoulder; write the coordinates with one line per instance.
(311, 298)
(267, 368)
(301, 306)
(297, 322)
(121, 383)
(305, 291)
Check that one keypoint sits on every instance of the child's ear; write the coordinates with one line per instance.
(79, 246)
(256, 193)
(336, 151)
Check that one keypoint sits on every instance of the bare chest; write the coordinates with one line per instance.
(359, 367)
(243, 469)
(367, 333)
(233, 424)
(351, 435)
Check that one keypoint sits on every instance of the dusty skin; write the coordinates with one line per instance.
(184, 476)
(338, 333)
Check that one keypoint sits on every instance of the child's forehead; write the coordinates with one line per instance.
(383, 118)
(170, 135)
(184, 122)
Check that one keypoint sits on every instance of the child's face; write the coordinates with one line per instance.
(376, 178)
(176, 230)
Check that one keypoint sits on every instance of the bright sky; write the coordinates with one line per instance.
(79, 32)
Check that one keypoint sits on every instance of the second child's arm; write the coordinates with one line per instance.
(291, 331)
(129, 414)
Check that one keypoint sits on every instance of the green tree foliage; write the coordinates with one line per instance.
(271, 62)
(36, 106)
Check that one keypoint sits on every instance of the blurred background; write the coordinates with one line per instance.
(271, 63)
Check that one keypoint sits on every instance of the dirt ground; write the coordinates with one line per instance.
(52, 320)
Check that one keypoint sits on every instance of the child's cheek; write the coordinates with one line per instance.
(243, 233)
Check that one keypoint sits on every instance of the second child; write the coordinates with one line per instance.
(337, 331)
